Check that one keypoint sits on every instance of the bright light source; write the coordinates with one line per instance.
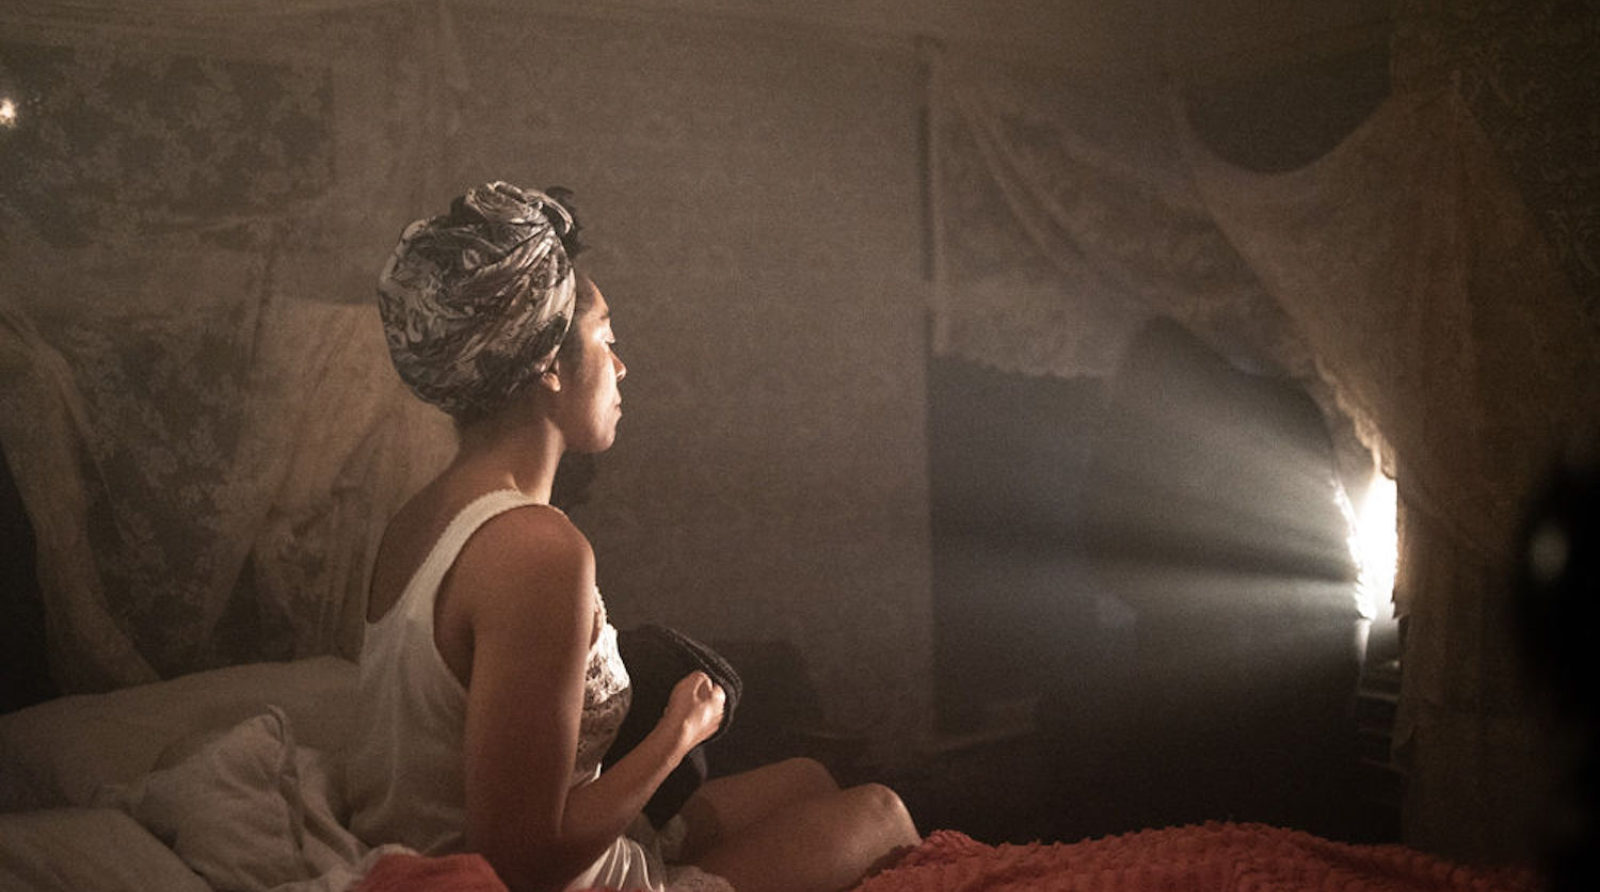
(1374, 543)
(8, 112)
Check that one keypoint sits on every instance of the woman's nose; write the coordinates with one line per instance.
(622, 368)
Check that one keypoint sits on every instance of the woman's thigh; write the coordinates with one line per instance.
(725, 805)
(823, 842)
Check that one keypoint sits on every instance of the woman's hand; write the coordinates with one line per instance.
(694, 709)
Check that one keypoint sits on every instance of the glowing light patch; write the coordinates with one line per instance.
(1374, 543)
(1548, 552)
(8, 112)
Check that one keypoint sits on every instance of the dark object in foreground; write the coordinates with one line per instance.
(657, 658)
(1558, 605)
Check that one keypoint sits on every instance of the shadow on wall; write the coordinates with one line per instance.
(24, 669)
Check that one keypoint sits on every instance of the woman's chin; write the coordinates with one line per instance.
(599, 444)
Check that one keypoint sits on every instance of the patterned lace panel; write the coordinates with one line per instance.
(1526, 70)
(607, 692)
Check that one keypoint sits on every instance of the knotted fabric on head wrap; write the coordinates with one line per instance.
(475, 302)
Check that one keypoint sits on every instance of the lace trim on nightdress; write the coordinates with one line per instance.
(607, 692)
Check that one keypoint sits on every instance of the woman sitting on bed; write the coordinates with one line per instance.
(490, 680)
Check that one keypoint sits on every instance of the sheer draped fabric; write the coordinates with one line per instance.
(1400, 278)
(1066, 217)
(179, 531)
(1417, 274)
(197, 400)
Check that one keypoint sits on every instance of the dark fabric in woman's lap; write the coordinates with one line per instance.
(657, 658)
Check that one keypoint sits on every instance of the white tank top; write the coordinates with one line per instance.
(404, 777)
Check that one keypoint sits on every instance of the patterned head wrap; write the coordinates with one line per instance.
(475, 302)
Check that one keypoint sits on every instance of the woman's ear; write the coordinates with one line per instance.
(550, 379)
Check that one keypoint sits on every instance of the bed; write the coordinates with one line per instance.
(228, 779)
(222, 779)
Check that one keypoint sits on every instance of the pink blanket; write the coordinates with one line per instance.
(1208, 857)
(1212, 856)
(421, 873)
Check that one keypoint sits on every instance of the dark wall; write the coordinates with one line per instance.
(1007, 458)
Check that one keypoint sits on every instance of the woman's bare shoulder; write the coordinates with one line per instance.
(530, 532)
(530, 558)
(534, 532)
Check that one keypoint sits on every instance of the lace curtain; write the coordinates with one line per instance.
(196, 399)
(1400, 277)
(1065, 217)
(1411, 263)
(1526, 70)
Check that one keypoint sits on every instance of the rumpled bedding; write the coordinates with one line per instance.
(1210, 856)
(248, 810)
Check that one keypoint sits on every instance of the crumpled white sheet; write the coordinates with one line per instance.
(248, 810)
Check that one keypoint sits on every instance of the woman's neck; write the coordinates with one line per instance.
(498, 454)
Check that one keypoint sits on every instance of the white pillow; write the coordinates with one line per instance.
(244, 808)
(60, 752)
(73, 849)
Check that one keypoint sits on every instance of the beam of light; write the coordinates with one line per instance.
(1251, 490)
(8, 112)
(1374, 545)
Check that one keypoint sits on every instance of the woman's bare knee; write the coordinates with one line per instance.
(728, 804)
(881, 810)
(824, 842)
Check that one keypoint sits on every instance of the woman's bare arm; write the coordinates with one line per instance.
(692, 714)
(527, 583)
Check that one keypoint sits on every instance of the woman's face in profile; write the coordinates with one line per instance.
(589, 402)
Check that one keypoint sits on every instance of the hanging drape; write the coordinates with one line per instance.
(1399, 278)
(1409, 261)
(1065, 217)
(195, 399)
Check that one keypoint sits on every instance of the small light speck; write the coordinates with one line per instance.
(8, 112)
(1547, 552)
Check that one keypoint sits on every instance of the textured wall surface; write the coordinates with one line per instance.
(756, 228)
